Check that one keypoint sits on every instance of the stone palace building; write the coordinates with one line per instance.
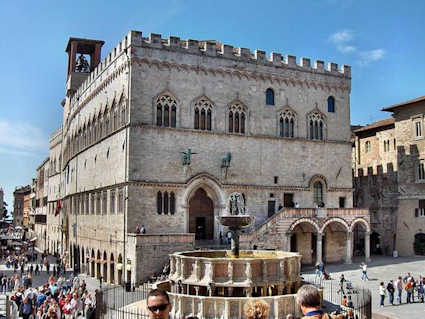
(162, 131)
(389, 178)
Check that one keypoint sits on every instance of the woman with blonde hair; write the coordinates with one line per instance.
(256, 309)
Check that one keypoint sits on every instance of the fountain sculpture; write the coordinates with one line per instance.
(217, 283)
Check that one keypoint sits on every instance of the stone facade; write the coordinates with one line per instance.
(39, 209)
(375, 180)
(117, 162)
(20, 203)
(390, 178)
(410, 136)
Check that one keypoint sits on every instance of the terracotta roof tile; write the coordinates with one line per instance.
(392, 107)
(381, 123)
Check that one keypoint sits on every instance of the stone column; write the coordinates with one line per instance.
(248, 272)
(197, 269)
(282, 270)
(172, 266)
(264, 270)
(183, 267)
(319, 248)
(348, 251)
(367, 246)
(178, 267)
(201, 309)
(226, 309)
(288, 241)
(230, 270)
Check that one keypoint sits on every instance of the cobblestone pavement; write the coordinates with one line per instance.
(383, 269)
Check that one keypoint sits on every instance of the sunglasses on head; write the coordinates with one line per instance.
(158, 307)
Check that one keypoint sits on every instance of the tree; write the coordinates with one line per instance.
(4, 212)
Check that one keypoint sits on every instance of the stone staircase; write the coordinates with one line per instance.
(268, 235)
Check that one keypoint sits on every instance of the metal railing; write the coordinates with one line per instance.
(121, 303)
(129, 304)
(333, 293)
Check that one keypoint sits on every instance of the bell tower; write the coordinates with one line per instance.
(79, 67)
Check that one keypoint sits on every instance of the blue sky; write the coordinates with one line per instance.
(381, 40)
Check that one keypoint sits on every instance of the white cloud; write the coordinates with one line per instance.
(21, 138)
(342, 37)
(346, 48)
(343, 41)
(367, 57)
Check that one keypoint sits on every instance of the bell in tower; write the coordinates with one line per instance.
(79, 67)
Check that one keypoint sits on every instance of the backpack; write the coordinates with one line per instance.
(408, 285)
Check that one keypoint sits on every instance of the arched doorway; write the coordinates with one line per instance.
(83, 260)
(335, 234)
(419, 244)
(119, 267)
(375, 244)
(92, 263)
(76, 259)
(112, 270)
(98, 259)
(105, 267)
(201, 215)
(304, 241)
(359, 234)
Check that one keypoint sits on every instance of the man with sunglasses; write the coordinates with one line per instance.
(158, 304)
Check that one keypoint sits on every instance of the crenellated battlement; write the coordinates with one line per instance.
(217, 49)
(209, 48)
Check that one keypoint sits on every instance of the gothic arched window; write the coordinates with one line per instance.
(166, 202)
(318, 192)
(196, 121)
(287, 124)
(237, 118)
(159, 203)
(316, 126)
(166, 111)
(230, 122)
(172, 203)
(203, 114)
(331, 104)
(269, 96)
(123, 108)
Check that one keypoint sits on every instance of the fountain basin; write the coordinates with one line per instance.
(253, 268)
(236, 221)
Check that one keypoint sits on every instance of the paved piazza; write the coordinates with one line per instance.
(383, 269)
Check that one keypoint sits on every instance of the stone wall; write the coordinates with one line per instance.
(150, 253)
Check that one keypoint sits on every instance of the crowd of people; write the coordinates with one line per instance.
(57, 298)
(407, 285)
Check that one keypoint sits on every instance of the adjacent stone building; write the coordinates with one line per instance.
(20, 203)
(375, 181)
(389, 178)
(162, 131)
(38, 214)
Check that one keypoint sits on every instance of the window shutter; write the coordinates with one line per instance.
(416, 212)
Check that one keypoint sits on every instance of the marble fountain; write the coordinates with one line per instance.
(217, 283)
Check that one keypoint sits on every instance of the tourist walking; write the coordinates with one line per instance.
(390, 289)
(409, 289)
(341, 284)
(420, 287)
(382, 293)
(363, 266)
